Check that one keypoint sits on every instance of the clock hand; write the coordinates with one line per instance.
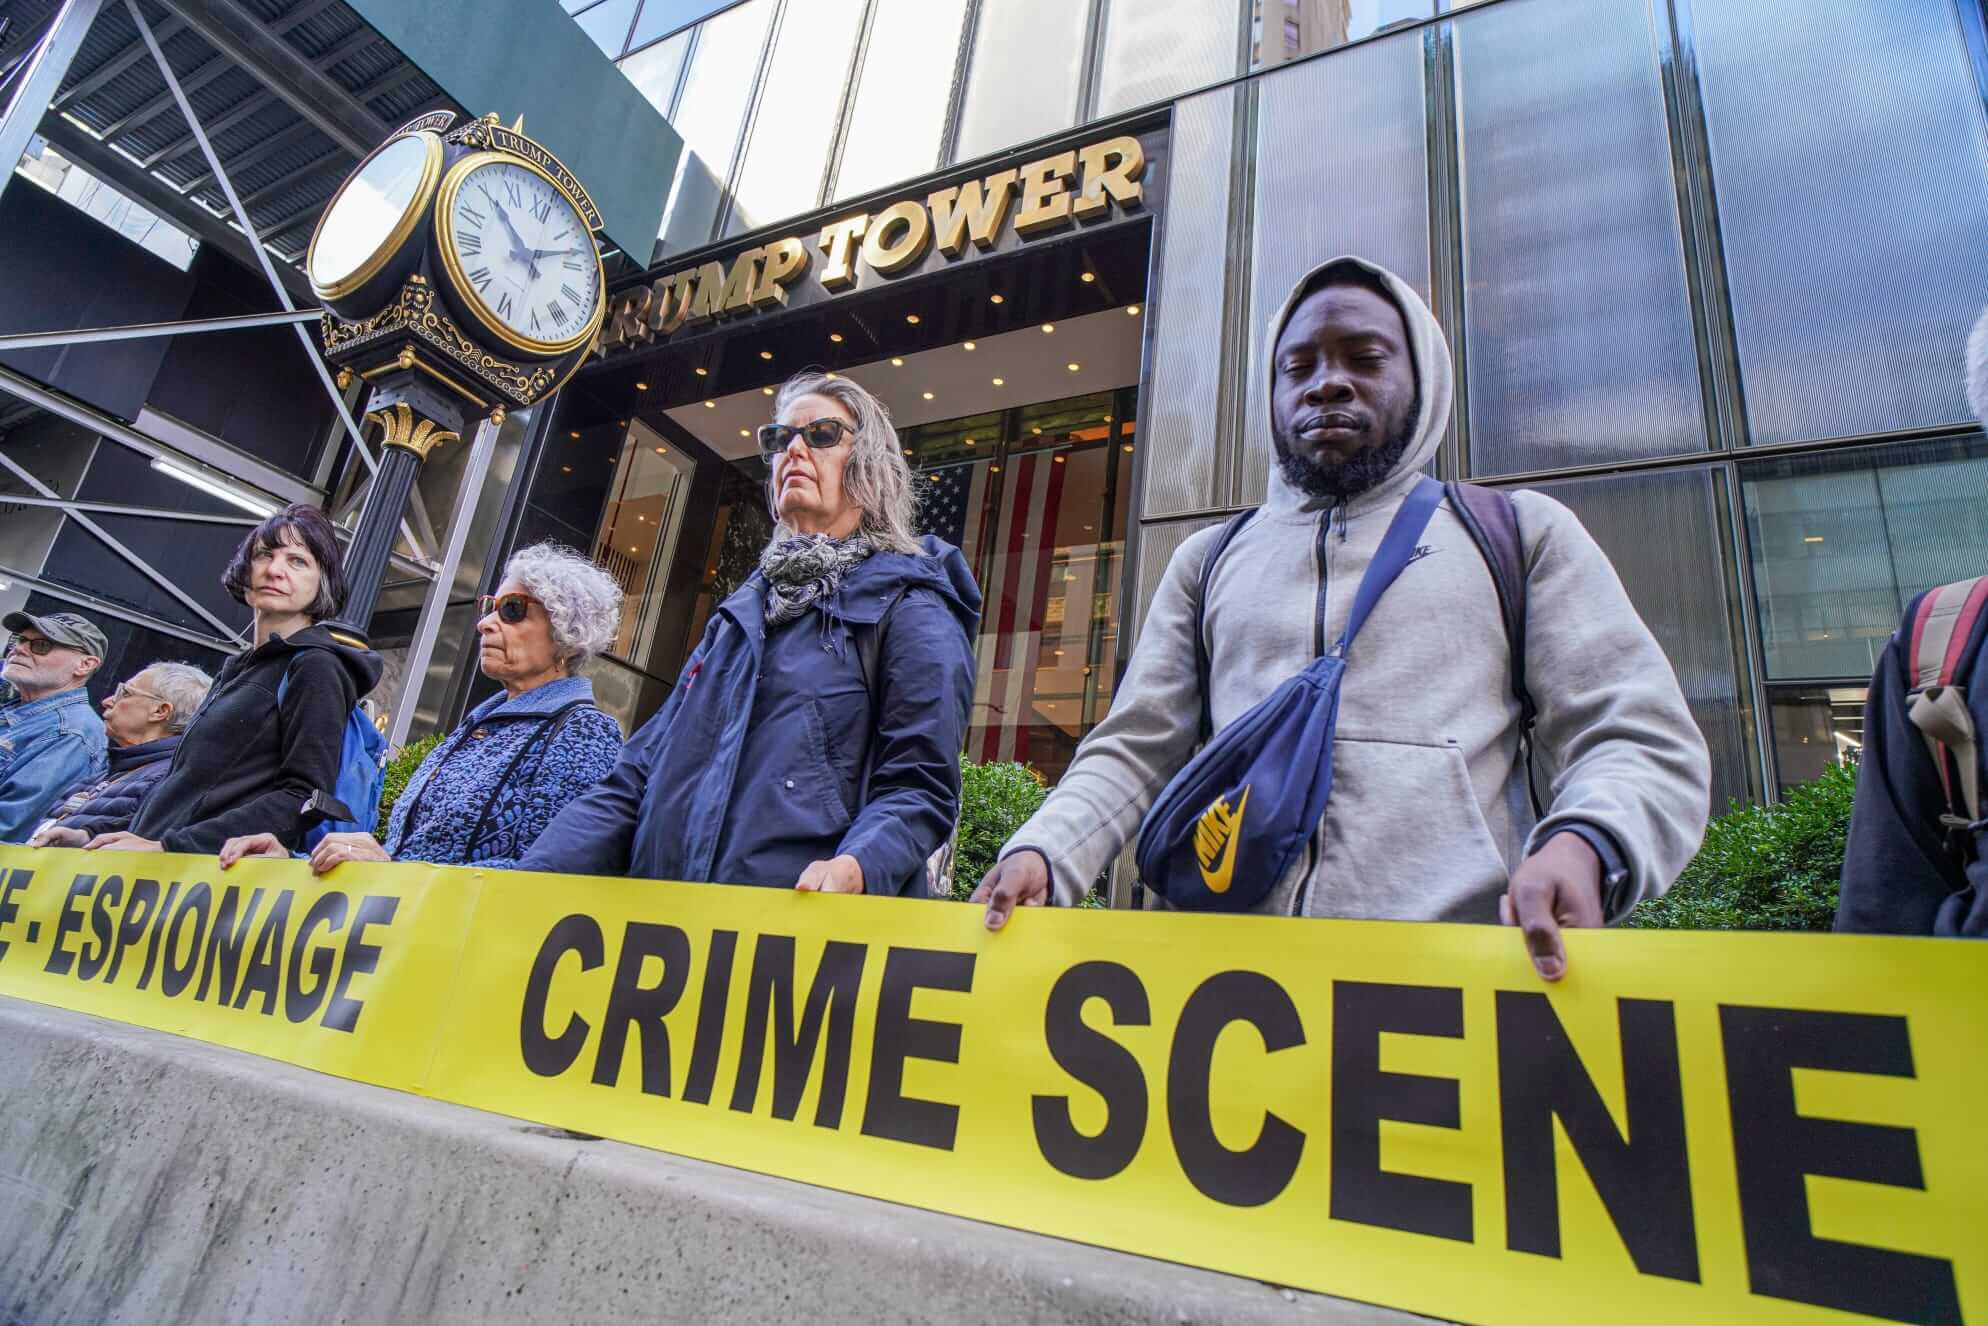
(518, 249)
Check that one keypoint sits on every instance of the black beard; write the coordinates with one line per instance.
(1350, 478)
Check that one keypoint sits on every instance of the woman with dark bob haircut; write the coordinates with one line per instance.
(268, 736)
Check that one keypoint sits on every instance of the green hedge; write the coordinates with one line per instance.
(399, 769)
(1764, 867)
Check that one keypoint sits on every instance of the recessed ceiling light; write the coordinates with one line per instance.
(928, 395)
(745, 432)
(1088, 277)
(710, 405)
(1036, 431)
(1048, 327)
(1059, 460)
(971, 346)
(565, 469)
(766, 354)
(1131, 310)
(662, 451)
(907, 451)
(1000, 382)
(994, 469)
(1073, 367)
(835, 337)
(631, 547)
(833, 376)
(575, 435)
(641, 386)
(911, 318)
(970, 442)
(1812, 538)
(1128, 446)
(995, 299)
(895, 362)
(1087, 529)
(935, 478)
(768, 391)
(641, 519)
(701, 372)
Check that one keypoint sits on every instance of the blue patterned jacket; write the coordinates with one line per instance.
(489, 789)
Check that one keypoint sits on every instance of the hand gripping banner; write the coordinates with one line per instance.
(1690, 1127)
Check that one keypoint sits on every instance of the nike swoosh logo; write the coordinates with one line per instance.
(1215, 842)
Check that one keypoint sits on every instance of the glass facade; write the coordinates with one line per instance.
(1645, 245)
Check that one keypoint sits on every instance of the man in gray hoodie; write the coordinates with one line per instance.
(1429, 818)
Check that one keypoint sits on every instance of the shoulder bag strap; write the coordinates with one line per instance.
(543, 737)
(1941, 627)
(1492, 521)
(1202, 663)
(1397, 550)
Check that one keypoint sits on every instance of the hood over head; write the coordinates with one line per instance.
(1433, 376)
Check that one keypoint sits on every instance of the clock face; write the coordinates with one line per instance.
(372, 213)
(521, 255)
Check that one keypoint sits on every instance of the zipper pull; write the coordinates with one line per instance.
(1339, 510)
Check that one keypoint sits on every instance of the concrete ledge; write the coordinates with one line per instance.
(146, 1178)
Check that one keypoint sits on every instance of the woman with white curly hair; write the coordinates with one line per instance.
(812, 741)
(484, 794)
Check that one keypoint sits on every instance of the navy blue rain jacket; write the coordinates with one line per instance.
(109, 804)
(770, 753)
(1902, 874)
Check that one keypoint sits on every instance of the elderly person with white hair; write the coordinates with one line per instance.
(144, 719)
(487, 791)
(812, 740)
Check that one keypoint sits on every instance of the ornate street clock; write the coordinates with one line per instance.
(460, 277)
(465, 256)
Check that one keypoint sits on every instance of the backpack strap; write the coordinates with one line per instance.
(1203, 666)
(1492, 521)
(1942, 625)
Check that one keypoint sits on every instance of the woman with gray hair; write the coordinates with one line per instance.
(812, 740)
(484, 794)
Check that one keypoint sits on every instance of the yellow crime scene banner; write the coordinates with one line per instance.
(1690, 1127)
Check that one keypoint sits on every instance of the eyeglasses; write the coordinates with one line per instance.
(38, 645)
(510, 608)
(125, 688)
(821, 435)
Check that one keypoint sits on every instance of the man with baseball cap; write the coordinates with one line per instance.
(50, 735)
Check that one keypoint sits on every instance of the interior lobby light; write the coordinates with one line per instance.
(701, 371)
(766, 354)
(710, 405)
(928, 395)
(1088, 277)
(565, 469)
(240, 501)
(766, 391)
(1073, 367)
(911, 318)
(895, 362)
(662, 451)
(575, 435)
(835, 337)
(971, 346)
(1059, 460)
(1132, 310)
(1128, 446)
(745, 432)
(1048, 327)
(993, 469)
(969, 442)
(641, 386)
(995, 299)
(1000, 382)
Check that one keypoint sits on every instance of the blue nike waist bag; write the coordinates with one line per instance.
(1235, 819)
(352, 803)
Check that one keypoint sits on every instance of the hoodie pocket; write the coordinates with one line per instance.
(1405, 837)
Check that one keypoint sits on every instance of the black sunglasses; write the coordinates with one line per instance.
(511, 608)
(821, 434)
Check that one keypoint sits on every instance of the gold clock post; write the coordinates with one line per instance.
(407, 275)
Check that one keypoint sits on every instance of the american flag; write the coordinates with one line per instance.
(1011, 551)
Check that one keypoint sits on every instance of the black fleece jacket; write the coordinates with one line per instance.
(248, 764)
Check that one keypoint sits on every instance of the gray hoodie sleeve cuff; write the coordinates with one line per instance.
(1048, 866)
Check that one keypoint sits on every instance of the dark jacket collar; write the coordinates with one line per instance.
(126, 758)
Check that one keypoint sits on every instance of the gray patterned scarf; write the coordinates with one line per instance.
(803, 569)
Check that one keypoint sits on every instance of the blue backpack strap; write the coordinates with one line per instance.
(1202, 664)
(1397, 550)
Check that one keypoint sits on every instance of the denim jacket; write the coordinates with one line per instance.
(46, 747)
